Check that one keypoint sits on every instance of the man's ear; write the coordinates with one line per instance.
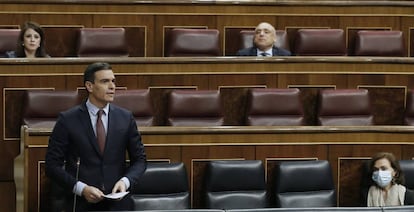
(88, 86)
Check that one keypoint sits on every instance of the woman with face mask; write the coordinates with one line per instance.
(387, 177)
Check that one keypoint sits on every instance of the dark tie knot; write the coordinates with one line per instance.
(100, 112)
(264, 54)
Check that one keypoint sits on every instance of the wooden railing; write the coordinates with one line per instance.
(346, 148)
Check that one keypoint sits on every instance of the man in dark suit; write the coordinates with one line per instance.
(87, 149)
(264, 40)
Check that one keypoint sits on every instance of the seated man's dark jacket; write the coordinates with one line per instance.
(252, 51)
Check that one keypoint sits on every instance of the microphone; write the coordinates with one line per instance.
(77, 176)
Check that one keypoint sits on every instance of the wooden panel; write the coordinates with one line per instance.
(232, 39)
(139, 31)
(234, 103)
(380, 97)
(345, 148)
(61, 41)
(309, 98)
(7, 196)
(350, 177)
(159, 97)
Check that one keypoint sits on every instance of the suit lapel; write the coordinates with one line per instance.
(111, 122)
(254, 51)
(86, 122)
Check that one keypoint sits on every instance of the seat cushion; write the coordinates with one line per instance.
(195, 108)
(265, 108)
(102, 42)
(139, 102)
(193, 42)
(320, 42)
(392, 43)
(8, 40)
(344, 107)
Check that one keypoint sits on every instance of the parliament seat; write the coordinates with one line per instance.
(192, 43)
(247, 36)
(42, 107)
(235, 184)
(102, 42)
(379, 43)
(163, 186)
(195, 108)
(407, 167)
(320, 42)
(8, 40)
(274, 107)
(139, 102)
(304, 184)
(344, 107)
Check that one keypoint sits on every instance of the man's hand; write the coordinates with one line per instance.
(92, 194)
(119, 187)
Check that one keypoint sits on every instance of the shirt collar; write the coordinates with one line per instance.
(94, 110)
(269, 52)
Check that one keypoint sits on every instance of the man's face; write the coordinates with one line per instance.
(102, 90)
(265, 36)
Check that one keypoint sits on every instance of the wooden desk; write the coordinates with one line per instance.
(346, 148)
(387, 78)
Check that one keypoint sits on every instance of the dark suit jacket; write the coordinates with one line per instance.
(73, 137)
(252, 51)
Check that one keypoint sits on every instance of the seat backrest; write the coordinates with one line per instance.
(192, 42)
(407, 167)
(195, 108)
(304, 184)
(42, 107)
(344, 107)
(163, 186)
(8, 40)
(235, 184)
(409, 109)
(139, 102)
(102, 42)
(391, 43)
(320, 42)
(272, 107)
(246, 39)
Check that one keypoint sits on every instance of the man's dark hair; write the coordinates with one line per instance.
(89, 74)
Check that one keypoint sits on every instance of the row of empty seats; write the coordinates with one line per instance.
(241, 184)
(237, 184)
(264, 107)
(110, 42)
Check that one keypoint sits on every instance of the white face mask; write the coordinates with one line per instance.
(382, 178)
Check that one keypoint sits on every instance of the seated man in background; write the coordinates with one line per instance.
(263, 43)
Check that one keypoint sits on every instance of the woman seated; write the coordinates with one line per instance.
(30, 43)
(387, 177)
